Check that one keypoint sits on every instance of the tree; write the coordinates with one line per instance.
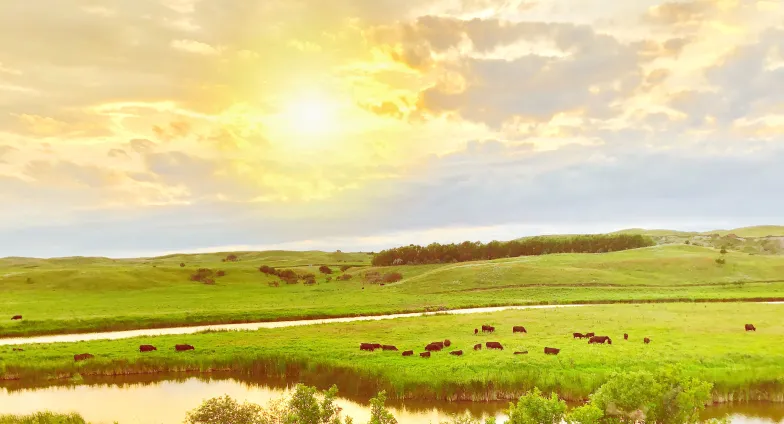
(586, 414)
(723, 251)
(534, 408)
(378, 413)
(304, 408)
(225, 410)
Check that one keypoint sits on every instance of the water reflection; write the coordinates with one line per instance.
(147, 400)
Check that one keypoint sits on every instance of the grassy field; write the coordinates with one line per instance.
(98, 294)
(707, 340)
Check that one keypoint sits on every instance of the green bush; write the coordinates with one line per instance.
(43, 418)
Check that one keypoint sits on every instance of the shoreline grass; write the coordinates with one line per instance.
(707, 340)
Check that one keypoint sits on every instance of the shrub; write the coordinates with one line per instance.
(329, 279)
(43, 418)
(372, 277)
(688, 242)
(182, 264)
(534, 408)
(345, 277)
(308, 278)
(268, 270)
(220, 274)
(721, 261)
(288, 275)
(208, 281)
(231, 258)
(273, 284)
(225, 410)
(202, 274)
(392, 277)
(325, 269)
(723, 251)
(343, 268)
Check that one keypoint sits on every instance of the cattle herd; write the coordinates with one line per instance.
(438, 346)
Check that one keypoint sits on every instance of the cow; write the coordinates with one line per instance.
(551, 351)
(478, 346)
(578, 335)
(589, 335)
(82, 357)
(600, 340)
(434, 347)
(425, 354)
(369, 347)
(488, 329)
(18, 349)
(456, 352)
(494, 345)
(147, 348)
(182, 347)
(16, 317)
(749, 327)
(388, 347)
(646, 340)
(625, 336)
(447, 343)
(408, 353)
(525, 352)
(476, 331)
(518, 329)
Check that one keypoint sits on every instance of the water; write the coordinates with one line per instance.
(147, 400)
(114, 335)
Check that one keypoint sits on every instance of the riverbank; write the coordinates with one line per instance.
(65, 298)
(707, 340)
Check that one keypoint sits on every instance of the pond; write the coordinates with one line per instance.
(157, 400)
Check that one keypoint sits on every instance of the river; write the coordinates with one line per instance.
(165, 400)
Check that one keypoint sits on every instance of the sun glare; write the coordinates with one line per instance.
(311, 116)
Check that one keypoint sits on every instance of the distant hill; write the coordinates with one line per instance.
(757, 231)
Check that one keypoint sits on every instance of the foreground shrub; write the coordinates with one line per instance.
(534, 408)
(721, 261)
(225, 410)
(43, 418)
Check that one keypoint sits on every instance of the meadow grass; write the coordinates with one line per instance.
(98, 294)
(43, 418)
(707, 340)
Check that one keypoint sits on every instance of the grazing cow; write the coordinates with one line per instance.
(408, 353)
(456, 352)
(388, 347)
(494, 345)
(525, 352)
(434, 347)
(551, 351)
(518, 329)
(646, 340)
(82, 357)
(367, 347)
(476, 331)
(182, 347)
(589, 335)
(439, 344)
(488, 329)
(578, 335)
(425, 354)
(18, 349)
(599, 340)
(447, 343)
(749, 327)
(478, 346)
(625, 336)
(16, 317)
(147, 348)
(376, 346)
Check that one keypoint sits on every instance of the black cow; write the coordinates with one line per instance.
(456, 352)
(147, 348)
(494, 345)
(551, 351)
(646, 340)
(749, 327)
(82, 357)
(425, 354)
(18, 349)
(388, 347)
(518, 329)
(478, 346)
(408, 353)
(16, 317)
(625, 336)
(600, 340)
(183, 347)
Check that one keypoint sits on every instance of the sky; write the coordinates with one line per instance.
(141, 127)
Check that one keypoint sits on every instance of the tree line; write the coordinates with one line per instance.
(436, 253)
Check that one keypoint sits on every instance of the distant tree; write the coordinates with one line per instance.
(688, 242)
(325, 269)
(268, 270)
(288, 275)
(723, 251)
(721, 261)
(182, 264)
(232, 258)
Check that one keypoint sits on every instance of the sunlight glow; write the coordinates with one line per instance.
(312, 116)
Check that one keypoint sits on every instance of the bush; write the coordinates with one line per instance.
(688, 242)
(372, 277)
(43, 418)
(182, 264)
(232, 258)
(273, 284)
(220, 274)
(202, 274)
(208, 281)
(268, 270)
(721, 261)
(345, 277)
(325, 269)
(288, 275)
(343, 268)
(534, 408)
(723, 251)
(225, 410)
(392, 277)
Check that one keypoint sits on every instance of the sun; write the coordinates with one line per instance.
(312, 116)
